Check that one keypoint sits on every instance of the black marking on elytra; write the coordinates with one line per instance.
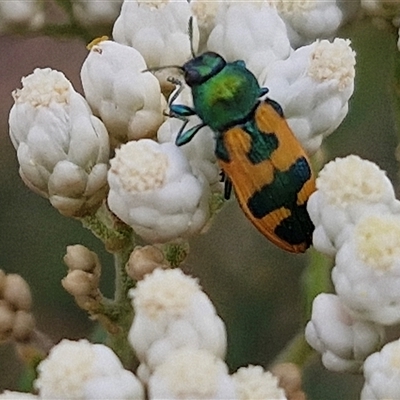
(297, 228)
(275, 105)
(282, 191)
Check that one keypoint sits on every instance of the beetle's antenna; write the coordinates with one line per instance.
(190, 31)
(176, 82)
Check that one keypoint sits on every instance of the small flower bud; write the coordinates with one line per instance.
(289, 376)
(81, 258)
(24, 324)
(79, 283)
(144, 260)
(17, 293)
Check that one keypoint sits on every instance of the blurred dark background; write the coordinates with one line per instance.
(254, 286)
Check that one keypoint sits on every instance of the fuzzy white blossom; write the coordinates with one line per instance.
(313, 87)
(382, 374)
(366, 275)
(343, 340)
(82, 370)
(172, 312)
(90, 13)
(200, 151)
(10, 395)
(128, 100)
(153, 189)
(61, 147)
(158, 29)
(253, 383)
(347, 188)
(252, 32)
(191, 374)
(308, 20)
(19, 14)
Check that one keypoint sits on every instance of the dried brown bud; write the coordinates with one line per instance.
(17, 293)
(7, 318)
(80, 283)
(79, 257)
(289, 376)
(144, 260)
(24, 325)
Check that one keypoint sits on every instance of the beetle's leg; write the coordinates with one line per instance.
(186, 136)
(227, 187)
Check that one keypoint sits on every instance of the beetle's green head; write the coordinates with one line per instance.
(201, 68)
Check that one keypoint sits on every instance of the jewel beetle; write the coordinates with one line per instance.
(257, 151)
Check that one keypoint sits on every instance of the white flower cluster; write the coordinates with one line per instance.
(181, 343)
(163, 192)
(357, 221)
(62, 148)
(82, 370)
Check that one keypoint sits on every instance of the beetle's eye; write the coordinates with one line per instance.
(192, 76)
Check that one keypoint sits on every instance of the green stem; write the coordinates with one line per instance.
(315, 280)
(115, 234)
(121, 311)
(297, 351)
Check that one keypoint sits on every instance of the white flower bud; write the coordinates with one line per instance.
(366, 275)
(95, 13)
(171, 312)
(153, 189)
(343, 340)
(191, 374)
(82, 370)
(200, 151)
(347, 188)
(253, 383)
(205, 13)
(127, 99)
(61, 147)
(158, 29)
(382, 374)
(313, 87)
(308, 20)
(252, 32)
(21, 13)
